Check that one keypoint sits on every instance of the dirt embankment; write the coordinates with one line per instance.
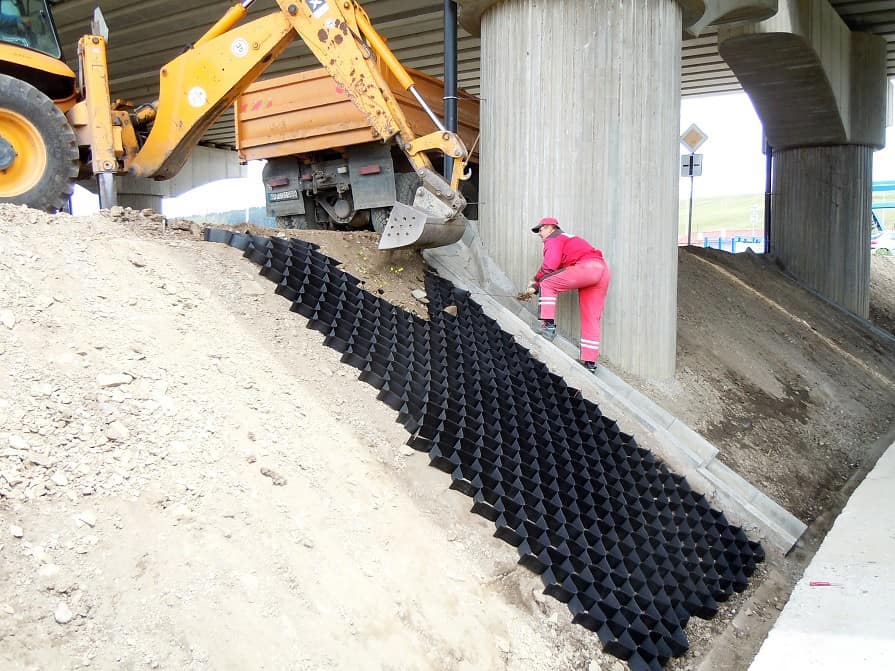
(882, 292)
(792, 392)
(189, 479)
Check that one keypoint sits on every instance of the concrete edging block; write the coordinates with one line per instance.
(694, 442)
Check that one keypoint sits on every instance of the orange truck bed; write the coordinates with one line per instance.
(308, 112)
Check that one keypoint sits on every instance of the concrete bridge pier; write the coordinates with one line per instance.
(821, 93)
(580, 116)
(580, 120)
(821, 220)
(140, 194)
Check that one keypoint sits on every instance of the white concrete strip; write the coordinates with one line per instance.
(466, 265)
(850, 623)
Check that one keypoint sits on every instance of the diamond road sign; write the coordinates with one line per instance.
(693, 138)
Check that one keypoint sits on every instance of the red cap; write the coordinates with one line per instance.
(546, 221)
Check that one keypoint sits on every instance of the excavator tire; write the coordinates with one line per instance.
(37, 148)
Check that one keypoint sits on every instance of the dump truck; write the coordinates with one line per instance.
(326, 167)
(56, 126)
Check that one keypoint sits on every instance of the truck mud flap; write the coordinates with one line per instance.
(412, 228)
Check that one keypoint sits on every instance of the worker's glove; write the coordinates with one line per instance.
(528, 293)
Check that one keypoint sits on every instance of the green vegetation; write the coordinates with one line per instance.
(723, 213)
(742, 213)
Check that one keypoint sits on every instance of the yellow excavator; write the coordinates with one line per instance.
(56, 126)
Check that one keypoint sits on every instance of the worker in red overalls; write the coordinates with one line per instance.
(571, 262)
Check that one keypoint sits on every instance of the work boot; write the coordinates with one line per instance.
(547, 331)
(591, 366)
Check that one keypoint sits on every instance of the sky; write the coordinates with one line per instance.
(733, 162)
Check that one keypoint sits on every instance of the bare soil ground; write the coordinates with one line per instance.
(793, 393)
(882, 292)
(190, 479)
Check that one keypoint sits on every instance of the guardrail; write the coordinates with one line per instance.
(737, 243)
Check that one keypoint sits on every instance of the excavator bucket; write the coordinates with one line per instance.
(427, 223)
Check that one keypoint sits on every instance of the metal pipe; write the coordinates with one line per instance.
(427, 109)
(450, 76)
(769, 166)
(108, 193)
(690, 221)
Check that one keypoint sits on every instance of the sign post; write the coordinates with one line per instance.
(691, 166)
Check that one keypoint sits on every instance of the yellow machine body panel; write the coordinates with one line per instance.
(44, 72)
(34, 60)
(199, 85)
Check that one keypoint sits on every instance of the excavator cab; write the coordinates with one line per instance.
(29, 23)
(31, 52)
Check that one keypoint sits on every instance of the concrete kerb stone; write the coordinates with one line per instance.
(683, 449)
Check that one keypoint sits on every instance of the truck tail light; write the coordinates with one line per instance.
(277, 182)
(370, 170)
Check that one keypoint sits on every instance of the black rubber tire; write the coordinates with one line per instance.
(52, 190)
(379, 218)
(406, 184)
(471, 194)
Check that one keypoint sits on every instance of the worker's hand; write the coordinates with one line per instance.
(532, 289)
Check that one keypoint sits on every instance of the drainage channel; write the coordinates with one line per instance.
(626, 544)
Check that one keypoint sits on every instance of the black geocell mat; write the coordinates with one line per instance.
(625, 543)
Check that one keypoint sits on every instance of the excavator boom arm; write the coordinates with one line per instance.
(200, 84)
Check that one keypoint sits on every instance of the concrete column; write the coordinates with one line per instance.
(820, 224)
(580, 120)
(821, 93)
(140, 201)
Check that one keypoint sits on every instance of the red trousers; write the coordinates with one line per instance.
(591, 278)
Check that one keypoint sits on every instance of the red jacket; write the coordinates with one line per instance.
(562, 250)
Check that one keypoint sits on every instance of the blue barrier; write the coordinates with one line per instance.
(736, 244)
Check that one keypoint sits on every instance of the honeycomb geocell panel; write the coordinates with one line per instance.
(631, 549)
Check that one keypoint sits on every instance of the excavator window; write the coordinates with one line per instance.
(29, 23)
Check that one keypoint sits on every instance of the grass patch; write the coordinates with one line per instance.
(723, 213)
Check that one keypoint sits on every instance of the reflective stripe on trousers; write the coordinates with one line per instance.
(591, 278)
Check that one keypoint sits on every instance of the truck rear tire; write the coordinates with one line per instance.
(379, 218)
(406, 184)
(471, 194)
(38, 150)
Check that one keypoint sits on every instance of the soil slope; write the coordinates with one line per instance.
(189, 479)
(793, 392)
